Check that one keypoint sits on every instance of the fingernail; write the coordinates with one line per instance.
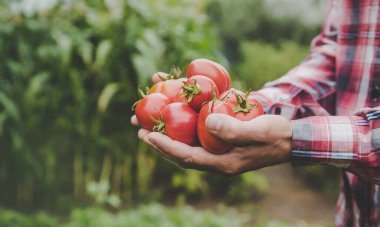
(212, 122)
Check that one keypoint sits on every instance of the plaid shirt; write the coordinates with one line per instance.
(333, 99)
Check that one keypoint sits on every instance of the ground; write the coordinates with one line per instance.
(291, 201)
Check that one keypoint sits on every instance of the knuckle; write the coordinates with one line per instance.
(230, 172)
(230, 169)
(187, 161)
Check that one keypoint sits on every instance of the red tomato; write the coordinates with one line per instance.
(198, 90)
(229, 96)
(150, 105)
(245, 107)
(170, 88)
(179, 122)
(212, 70)
(208, 141)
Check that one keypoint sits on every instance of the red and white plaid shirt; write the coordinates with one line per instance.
(335, 95)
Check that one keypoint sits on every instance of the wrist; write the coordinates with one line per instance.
(286, 146)
(281, 137)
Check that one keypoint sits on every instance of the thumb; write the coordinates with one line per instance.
(230, 129)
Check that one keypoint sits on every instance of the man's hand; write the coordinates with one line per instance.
(263, 141)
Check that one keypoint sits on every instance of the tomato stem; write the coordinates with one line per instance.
(213, 93)
(141, 94)
(175, 73)
(242, 104)
(189, 90)
(159, 125)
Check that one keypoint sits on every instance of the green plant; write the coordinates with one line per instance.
(13, 218)
(144, 215)
(69, 75)
(240, 20)
(158, 215)
(264, 62)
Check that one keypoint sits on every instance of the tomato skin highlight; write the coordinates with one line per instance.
(212, 70)
(205, 87)
(170, 88)
(208, 141)
(180, 123)
(150, 105)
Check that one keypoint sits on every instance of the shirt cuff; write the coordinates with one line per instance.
(324, 140)
(273, 101)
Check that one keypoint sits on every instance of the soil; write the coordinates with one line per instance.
(289, 200)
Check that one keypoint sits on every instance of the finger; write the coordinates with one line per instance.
(134, 120)
(157, 77)
(143, 135)
(185, 155)
(231, 129)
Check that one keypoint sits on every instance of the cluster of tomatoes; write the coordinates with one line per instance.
(178, 107)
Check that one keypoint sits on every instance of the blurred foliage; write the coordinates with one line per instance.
(146, 215)
(14, 218)
(69, 71)
(263, 62)
(320, 178)
(240, 189)
(241, 20)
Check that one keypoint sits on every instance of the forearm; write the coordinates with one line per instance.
(351, 143)
(309, 88)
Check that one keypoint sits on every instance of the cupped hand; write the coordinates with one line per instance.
(261, 142)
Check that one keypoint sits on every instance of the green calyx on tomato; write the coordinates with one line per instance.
(141, 94)
(189, 90)
(213, 99)
(175, 73)
(242, 103)
(178, 121)
(159, 125)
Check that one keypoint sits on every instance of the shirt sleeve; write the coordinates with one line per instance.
(307, 93)
(352, 143)
(309, 88)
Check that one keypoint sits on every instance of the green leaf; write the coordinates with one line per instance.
(3, 117)
(85, 50)
(106, 96)
(151, 51)
(64, 43)
(102, 52)
(9, 106)
(35, 86)
(16, 140)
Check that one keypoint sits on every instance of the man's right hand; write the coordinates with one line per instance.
(263, 141)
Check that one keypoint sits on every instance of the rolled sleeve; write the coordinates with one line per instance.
(324, 140)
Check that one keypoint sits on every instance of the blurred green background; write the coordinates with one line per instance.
(69, 70)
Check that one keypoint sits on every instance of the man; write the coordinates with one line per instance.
(334, 94)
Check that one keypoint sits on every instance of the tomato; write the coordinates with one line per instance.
(179, 122)
(245, 107)
(150, 105)
(212, 70)
(198, 90)
(170, 88)
(208, 141)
